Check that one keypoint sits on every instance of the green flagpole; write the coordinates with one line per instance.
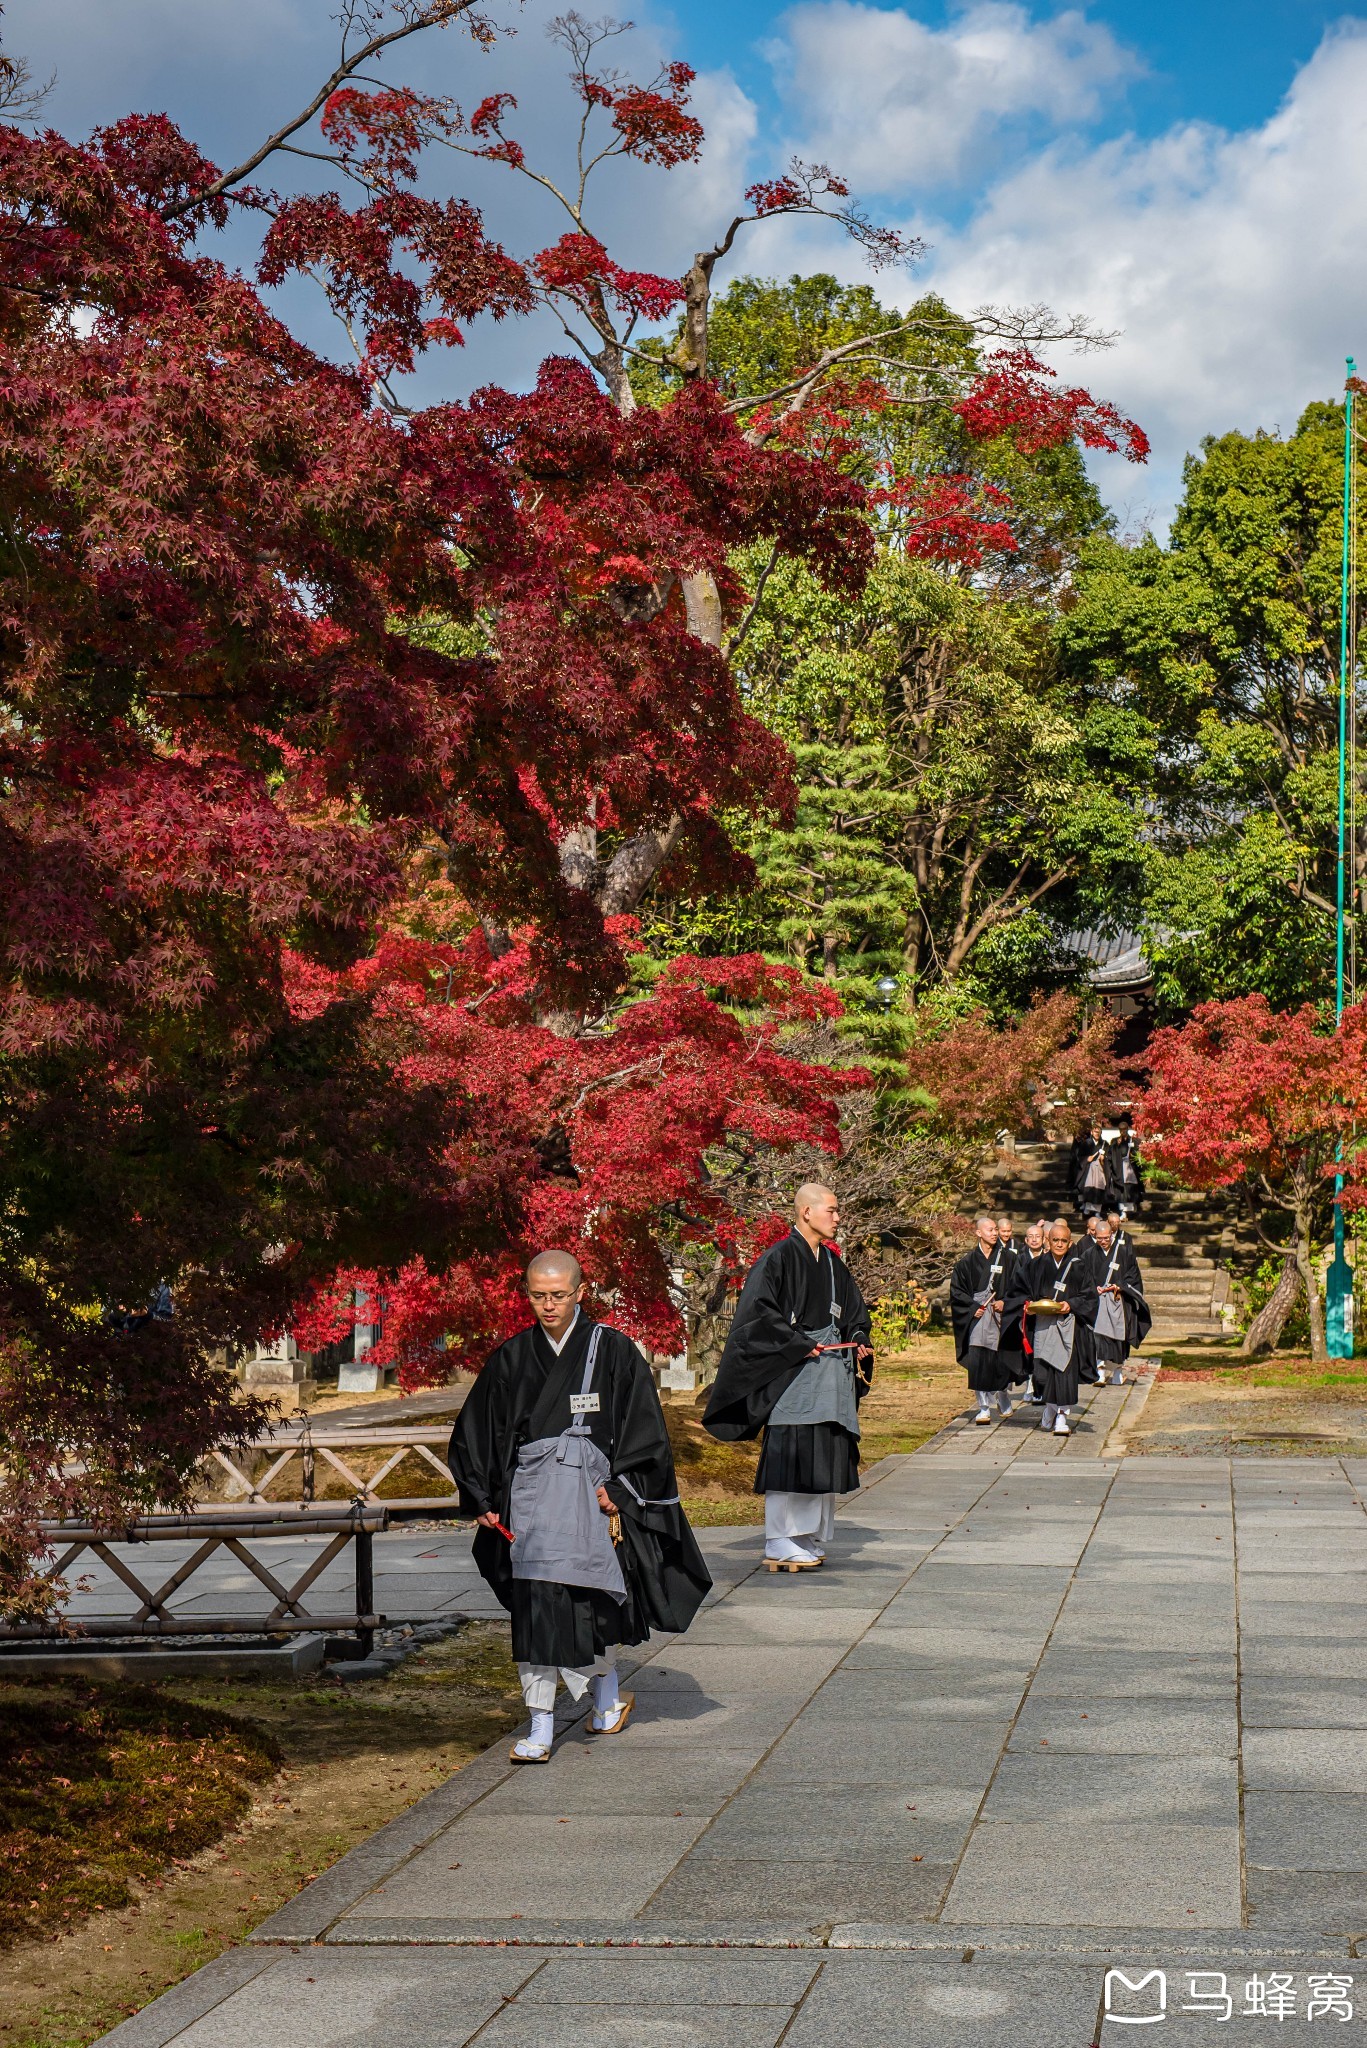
(1338, 1304)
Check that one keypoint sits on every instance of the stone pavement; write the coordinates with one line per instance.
(427, 1574)
(1040, 1717)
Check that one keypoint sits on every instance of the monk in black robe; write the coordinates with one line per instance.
(1087, 1246)
(796, 1366)
(1034, 1249)
(1087, 1172)
(1119, 1278)
(1124, 1176)
(573, 1402)
(1011, 1348)
(1062, 1346)
(977, 1299)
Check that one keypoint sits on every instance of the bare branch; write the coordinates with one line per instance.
(743, 628)
(1041, 323)
(20, 98)
(805, 379)
(429, 14)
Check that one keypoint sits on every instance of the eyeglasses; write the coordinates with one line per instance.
(549, 1299)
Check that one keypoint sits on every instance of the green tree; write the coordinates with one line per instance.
(958, 792)
(1227, 641)
(949, 784)
(765, 334)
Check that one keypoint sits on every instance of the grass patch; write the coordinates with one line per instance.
(1290, 1369)
(338, 1764)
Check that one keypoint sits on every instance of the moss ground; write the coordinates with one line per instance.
(194, 1809)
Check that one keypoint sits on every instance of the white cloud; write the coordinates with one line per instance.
(899, 103)
(1231, 263)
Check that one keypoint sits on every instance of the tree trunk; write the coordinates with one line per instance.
(634, 867)
(579, 855)
(702, 606)
(1305, 1252)
(1266, 1328)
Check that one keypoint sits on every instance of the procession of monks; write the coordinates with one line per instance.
(561, 1454)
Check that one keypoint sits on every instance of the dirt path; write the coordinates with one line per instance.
(1273, 1408)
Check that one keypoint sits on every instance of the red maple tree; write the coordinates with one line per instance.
(1259, 1100)
(598, 1140)
(265, 630)
(1052, 1067)
(220, 751)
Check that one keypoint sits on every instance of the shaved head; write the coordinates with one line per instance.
(817, 1213)
(555, 1284)
(548, 1265)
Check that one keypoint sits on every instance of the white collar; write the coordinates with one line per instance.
(558, 1348)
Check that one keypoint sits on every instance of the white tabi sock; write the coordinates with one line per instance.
(606, 1698)
(984, 1403)
(543, 1727)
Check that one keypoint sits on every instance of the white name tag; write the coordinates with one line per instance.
(583, 1404)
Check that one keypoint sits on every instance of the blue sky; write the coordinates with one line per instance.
(1208, 60)
(1193, 176)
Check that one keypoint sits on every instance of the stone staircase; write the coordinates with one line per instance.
(1187, 1244)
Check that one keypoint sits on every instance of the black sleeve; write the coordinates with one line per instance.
(762, 1358)
(473, 1454)
(961, 1302)
(1081, 1295)
(1020, 1288)
(640, 1440)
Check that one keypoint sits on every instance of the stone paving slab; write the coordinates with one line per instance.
(1099, 1873)
(1002, 1724)
(963, 1996)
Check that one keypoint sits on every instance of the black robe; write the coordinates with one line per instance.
(1119, 1195)
(989, 1372)
(1138, 1315)
(1085, 1150)
(1089, 1251)
(523, 1394)
(1011, 1349)
(786, 1294)
(1036, 1281)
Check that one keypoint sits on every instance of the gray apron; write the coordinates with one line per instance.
(560, 1533)
(824, 1388)
(1053, 1338)
(986, 1333)
(1110, 1309)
